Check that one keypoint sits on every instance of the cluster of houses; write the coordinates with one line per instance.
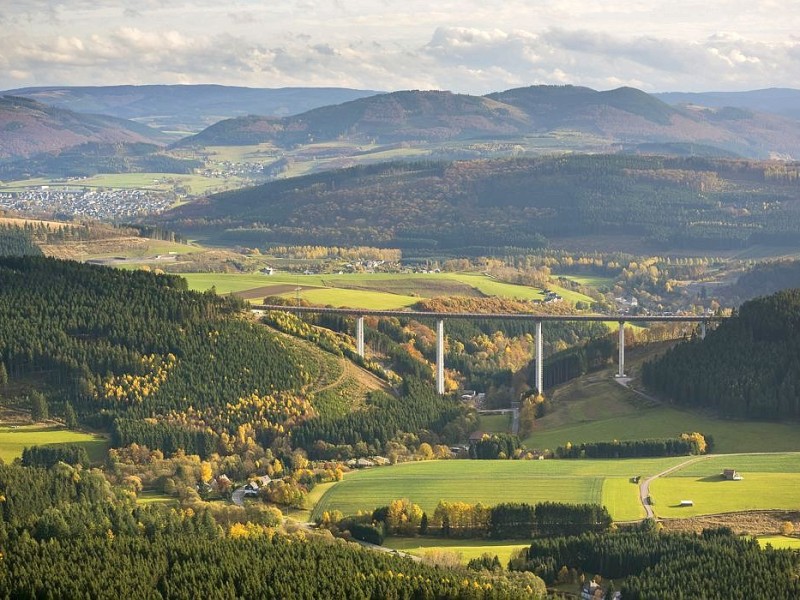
(365, 463)
(594, 591)
(551, 297)
(108, 204)
(626, 305)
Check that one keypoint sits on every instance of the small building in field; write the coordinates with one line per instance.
(686, 503)
(731, 475)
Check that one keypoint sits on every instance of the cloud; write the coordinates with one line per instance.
(264, 50)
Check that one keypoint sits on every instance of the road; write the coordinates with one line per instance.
(237, 497)
(644, 488)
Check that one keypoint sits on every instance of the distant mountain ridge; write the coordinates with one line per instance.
(28, 127)
(781, 101)
(187, 107)
(624, 116)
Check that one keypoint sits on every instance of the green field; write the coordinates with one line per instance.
(596, 408)
(468, 549)
(154, 497)
(594, 281)
(770, 481)
(495, 423)
(492, 482)
(374, 290)
(779, 542)
(14, 440)
(665, 421)
(712, 494)
(621, 498)
(354, 298)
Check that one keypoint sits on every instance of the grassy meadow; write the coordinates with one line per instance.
(596, 408)
(13, 440)
(467, 549)
(779, 542)
(769, 481)
(493, 482)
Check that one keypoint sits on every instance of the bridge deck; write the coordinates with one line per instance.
(355, 312)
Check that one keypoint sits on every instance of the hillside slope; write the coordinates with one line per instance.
(748, 367)
(29, 127)
(694, 203)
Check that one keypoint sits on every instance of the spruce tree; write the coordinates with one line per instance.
(70, 418)
(39, 409)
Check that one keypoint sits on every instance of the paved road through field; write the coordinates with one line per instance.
(644, 488)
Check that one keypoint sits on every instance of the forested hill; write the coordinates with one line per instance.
(676, 202)
(748, 367)
(137, 353)
(621, 116)
(29, 127)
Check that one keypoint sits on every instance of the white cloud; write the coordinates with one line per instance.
(467, 46)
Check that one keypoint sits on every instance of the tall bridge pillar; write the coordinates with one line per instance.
(440, 356)
(621, 372)
(539, 359)
(360, 336)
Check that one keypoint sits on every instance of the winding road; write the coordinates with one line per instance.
(644, 488)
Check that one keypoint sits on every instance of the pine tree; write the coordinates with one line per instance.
(39, 409)
(70, 418)
(3, 374)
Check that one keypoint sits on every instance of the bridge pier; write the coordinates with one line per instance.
(621, 372)
(360, 335)
(539, 359)
(440, 356)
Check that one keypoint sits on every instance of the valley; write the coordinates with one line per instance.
(149, 408)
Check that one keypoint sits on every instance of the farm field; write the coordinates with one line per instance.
(779, 542)
(620, 501)
(770, 481)
(370, 290)
(495, 423)
(468, 549)
(14, 441)
(490, 482)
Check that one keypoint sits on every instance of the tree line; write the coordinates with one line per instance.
(669, 565)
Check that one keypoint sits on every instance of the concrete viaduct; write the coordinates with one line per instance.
(439, 318)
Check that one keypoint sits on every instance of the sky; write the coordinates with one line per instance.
(467, 46)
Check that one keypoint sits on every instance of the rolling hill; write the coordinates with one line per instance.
(28, 127)
(422, 116)
(187, 107)
(680, 202)
(620, 117)
(781, 101)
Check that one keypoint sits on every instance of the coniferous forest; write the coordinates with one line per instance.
(749, 366)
